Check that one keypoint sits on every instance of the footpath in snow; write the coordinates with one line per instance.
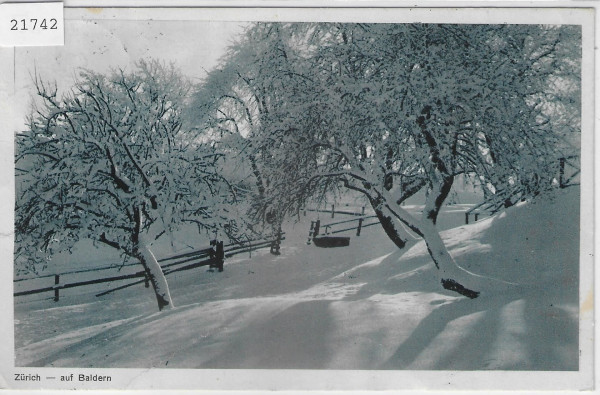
(365, 306)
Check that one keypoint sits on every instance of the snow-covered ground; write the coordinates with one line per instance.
(366, 306)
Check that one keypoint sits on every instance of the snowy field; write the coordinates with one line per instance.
(366, 306)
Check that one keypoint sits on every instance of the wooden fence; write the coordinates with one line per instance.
(333, 211)
(569, 171)
(318, 229)
(214, 257)
(476, 212)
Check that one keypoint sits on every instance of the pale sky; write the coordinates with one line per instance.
(101, 44)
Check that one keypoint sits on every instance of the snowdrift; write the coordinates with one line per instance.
(366, 306)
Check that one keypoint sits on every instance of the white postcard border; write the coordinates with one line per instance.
(136, 379)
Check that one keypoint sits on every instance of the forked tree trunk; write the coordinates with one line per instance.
(447, 267)
(450, 275)
(155, 275)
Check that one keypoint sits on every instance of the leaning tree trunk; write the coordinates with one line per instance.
(386, 219)
(155, 275)
(447, 267)
(450, 275)
(151, 266)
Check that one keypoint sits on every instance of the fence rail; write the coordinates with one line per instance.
(213, 257)
(316, 227)
(333, 211)
(569, 171)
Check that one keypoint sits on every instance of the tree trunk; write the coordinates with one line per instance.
(451, 276)
(436, 195)
(148, 260)
(155, 275)
(447, 267)
(386, 220)
(259, 180)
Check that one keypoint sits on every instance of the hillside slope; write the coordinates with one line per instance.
(366, 306)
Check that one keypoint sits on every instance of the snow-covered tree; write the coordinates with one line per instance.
(390, 110)
(240, 100)
(109, 161)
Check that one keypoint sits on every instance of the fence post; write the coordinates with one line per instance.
(476, 216)
(310, 232)
(362, 212)
(56, 282)
(467, 218)
(314, 230)
(220, 255)
(276, 244)
(332, 210)
(360, 221)
(217, 255)
(561, 174)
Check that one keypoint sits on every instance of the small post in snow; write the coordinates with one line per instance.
(332, 210)
(276, 244)
(314, 230)
(467, 218)
(360, 221)
(561, 175)
(220, 255)
(217, 255)
(56, 282)
(310, 232)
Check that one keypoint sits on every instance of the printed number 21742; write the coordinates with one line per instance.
(32, 24)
